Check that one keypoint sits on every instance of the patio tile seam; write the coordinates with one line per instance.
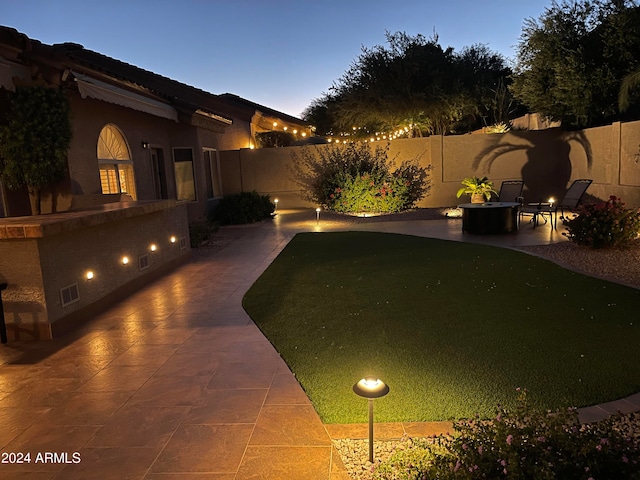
(253, 429)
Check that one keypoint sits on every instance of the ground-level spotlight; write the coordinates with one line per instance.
(370, 388)
(318, 215)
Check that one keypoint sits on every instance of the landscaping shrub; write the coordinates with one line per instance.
(274, 139)
(356, 178)
(603, 224)
(199, 232)
(522, 444)
(244, 207)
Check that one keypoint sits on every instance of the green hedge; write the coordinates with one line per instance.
(244, 207)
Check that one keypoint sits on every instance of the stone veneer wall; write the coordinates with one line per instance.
(41, 255)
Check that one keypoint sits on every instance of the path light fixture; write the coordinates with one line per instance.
(371, 388)
(276, 202)
(317, 215)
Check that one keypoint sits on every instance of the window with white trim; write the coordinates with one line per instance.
(114, 161)
(185, 178)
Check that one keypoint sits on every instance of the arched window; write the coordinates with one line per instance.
(114, 160)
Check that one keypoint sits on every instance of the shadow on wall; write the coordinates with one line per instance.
(548, 168)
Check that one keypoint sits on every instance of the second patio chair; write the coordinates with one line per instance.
(511, 191)
(569, 202)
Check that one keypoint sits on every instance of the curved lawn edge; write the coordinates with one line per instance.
(453, 328)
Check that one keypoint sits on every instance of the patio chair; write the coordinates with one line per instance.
(569, 202)
(511, 191)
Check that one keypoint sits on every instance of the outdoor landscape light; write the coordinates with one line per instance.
(276, 202)
(153, 247)
(172, 239)
(552, 200)
(125, 260)
(317, 215)
(89, 275)
(370, 388)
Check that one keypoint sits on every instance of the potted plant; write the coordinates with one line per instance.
(480, 189)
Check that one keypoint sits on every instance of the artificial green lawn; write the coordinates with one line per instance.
(452, 328)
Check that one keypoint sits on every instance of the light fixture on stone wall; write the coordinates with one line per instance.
(89, 275)
(125, 260)
(153, 247)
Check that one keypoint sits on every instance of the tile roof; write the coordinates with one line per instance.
(185, 97)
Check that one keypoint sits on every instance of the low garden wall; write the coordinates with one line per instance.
(62, 268)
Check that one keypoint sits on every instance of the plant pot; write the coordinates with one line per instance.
(477, 198)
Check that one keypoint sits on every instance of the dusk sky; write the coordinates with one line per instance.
(278, 53)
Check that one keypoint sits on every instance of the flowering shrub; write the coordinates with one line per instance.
(604, 224)
(525, 444)
(357, 178)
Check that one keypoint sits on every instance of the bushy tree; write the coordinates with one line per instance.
(34, 138)
(414, 83)
(572, 59)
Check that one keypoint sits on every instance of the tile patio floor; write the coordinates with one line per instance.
(176, 382)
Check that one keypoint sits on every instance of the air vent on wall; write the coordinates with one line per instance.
(183, 243)
(69, 294)
(143, 262)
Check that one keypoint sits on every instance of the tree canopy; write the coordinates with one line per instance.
(415, 86)
(35, 135)
(571, 61)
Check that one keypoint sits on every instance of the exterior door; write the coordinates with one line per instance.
(159, 174)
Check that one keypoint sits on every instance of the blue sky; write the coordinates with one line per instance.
(278, 53)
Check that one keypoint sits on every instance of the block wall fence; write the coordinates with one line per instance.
(547, 160)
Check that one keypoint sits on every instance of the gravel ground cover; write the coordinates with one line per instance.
(355, 453)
